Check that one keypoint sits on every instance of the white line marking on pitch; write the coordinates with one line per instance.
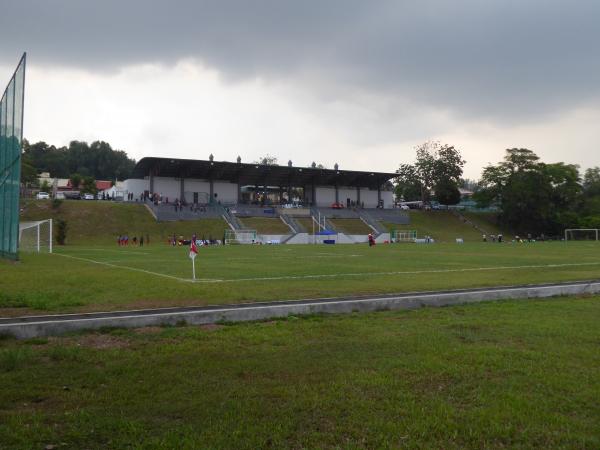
(334, 275)
(187, 280)
(412, 272)
(133, 251)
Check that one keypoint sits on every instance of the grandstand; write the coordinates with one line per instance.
(289, 199)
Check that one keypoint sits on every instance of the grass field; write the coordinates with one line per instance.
(91, 278)
(511, 374)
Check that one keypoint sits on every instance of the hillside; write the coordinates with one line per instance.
(486, 221)
(444, 226)
(351, 226)
(266, 225)
(98, 222)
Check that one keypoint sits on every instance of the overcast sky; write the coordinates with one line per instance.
(354, 82)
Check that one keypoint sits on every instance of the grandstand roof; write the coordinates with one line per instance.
(257, 174)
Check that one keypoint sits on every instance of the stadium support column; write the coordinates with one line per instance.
(212, 191)
(358, 196)
(378, 195)
(337, 193)
(182, 190)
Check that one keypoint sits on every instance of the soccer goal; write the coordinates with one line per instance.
(581, 234)
(403, 235)
(36, 236)
(240, 237)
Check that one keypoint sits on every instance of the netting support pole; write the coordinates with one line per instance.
(50, 237)
(37, 229)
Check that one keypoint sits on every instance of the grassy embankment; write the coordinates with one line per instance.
(266, 225)
(513, 374)
(351, 226)
(98, 222)
(444, 226)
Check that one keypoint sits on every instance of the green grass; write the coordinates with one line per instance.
(266, 225)
(97, 222)
(92, 278)
(512, 374)
(443, 226)
(351, 226)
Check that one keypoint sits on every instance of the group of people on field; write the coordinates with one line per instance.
(123, 240)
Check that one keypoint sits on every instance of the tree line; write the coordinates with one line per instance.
(530, 195)
(97, 160)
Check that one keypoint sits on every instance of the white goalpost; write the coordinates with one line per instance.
(403, 235)
(36, 236)
(240, 237)
(581, 234)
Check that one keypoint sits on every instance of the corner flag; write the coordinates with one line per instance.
(193, 253)
(193, 250)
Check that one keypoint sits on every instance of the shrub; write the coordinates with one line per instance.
(61, 231)
(56, 203)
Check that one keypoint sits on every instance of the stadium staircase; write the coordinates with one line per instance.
(324, 212)
(293, 224)
(375, 225)
(233, 222)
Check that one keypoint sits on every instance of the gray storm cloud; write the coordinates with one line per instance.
(503, 60)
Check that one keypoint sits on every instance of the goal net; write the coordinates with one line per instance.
(36, 236)
(240, 236)
(581, 234)
(403, 235)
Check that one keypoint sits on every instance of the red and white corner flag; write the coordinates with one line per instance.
(193, 253)
(193, 249)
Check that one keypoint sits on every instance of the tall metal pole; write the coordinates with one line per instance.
(50, 236)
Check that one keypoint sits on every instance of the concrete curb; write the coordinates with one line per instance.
(35, 326)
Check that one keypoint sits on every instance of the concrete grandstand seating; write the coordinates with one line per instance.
(344, 213)
(254, 211)
(396, 216)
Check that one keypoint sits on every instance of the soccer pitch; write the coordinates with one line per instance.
(79, 278)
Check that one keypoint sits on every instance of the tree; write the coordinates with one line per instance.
(45, 186)
(435, 164)
(532, 196)
(590, 207)
(98, 159)
(75, 180)
(61, 231)
(89, 185)
(266, 160)
(408, 188)
(28, 172)
(447, 192)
